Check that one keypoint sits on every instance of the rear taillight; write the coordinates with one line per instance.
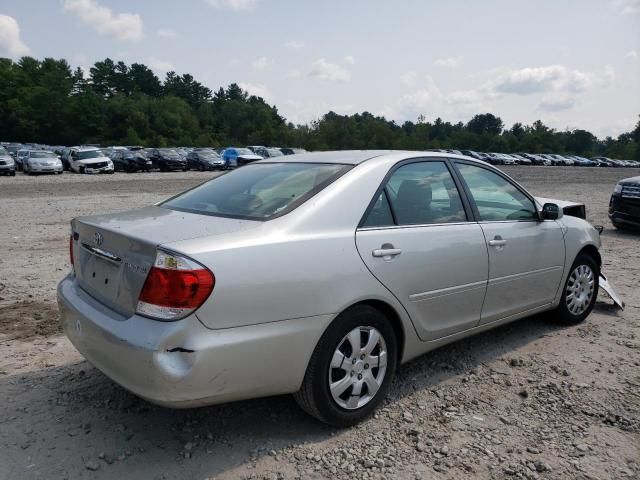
(175, 287)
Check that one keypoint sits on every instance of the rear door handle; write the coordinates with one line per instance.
(386, 252)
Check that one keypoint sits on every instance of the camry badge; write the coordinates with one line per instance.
(97, 238)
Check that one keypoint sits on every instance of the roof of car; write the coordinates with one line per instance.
(355, 157)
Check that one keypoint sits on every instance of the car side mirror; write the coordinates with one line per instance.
(551, 211)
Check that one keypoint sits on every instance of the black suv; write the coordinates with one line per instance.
(624, 206)
(131, 161)
(166, 159)
(205, 159)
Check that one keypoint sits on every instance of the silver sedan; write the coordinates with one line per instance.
(41, 161)
(318, 275)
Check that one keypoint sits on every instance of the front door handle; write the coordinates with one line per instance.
(498, 241)
(386, 251)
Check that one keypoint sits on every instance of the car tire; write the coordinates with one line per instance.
(579, 291)
(341, 408)
(13, 174)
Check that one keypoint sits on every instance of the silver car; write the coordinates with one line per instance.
(317, 275)
(7, 163)
(41, 161)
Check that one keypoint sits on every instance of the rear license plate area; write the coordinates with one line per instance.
(102, 276)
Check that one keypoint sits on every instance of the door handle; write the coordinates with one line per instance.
(497, 242)
(386, 250)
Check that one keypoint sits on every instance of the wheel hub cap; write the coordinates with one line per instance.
(580, 289)
(358, 367)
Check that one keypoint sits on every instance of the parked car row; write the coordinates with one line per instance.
(547, 159)
(95, 159)
(34, 158)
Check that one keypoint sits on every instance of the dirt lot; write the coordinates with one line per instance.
(529, 400)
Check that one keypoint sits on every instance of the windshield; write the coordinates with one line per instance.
(42, 154)
(3, 151)
(244, 151)
(274, 152)
(169, 152)
(208, 153)
(259, 191)
(90, 154)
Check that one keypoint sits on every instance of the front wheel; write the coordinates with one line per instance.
(351, 368)
(580, 291)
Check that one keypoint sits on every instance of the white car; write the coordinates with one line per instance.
(89, 160)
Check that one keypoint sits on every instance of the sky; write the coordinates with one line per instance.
(570, 63)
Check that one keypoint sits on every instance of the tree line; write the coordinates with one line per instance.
(47, 101)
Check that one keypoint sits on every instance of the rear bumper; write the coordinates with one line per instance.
(183, 363)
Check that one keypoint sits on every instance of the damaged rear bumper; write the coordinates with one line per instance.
(183, 363)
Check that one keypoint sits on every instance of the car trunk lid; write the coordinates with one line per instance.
(113, 253)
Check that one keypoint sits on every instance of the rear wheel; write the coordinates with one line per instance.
(580, 291)
(351, 368)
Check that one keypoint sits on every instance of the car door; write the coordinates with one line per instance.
(418, 241)
(526, 255)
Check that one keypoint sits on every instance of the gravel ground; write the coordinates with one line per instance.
(528, 400)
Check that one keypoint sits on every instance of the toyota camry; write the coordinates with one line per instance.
(318, 275)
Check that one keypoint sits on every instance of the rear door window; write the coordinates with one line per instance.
(419, 193)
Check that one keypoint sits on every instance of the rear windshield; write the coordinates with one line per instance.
(259, 191)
